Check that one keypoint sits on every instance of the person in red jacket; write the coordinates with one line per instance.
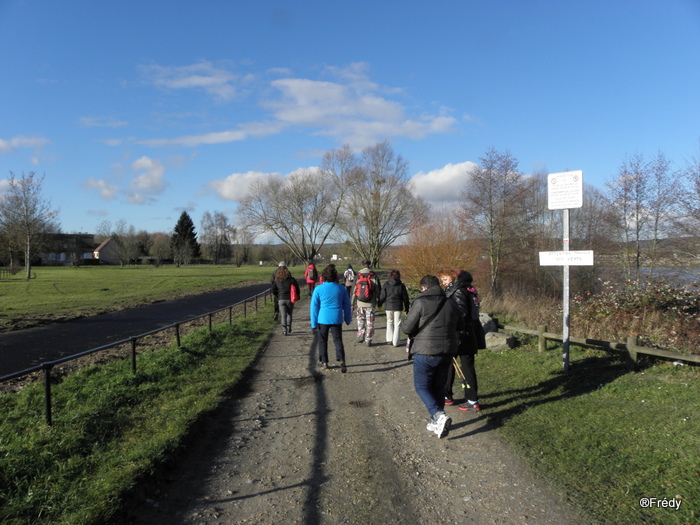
(311, 277)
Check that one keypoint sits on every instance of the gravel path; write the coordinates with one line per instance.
(301, 445)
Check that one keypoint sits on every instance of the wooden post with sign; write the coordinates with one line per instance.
(565, 191)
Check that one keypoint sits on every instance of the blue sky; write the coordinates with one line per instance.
(137, 110)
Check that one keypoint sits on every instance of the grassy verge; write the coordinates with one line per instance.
(111, 426)
(64, 292)
(606, 434)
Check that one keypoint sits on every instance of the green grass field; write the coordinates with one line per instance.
(605, 433)
(112, 427)
(66, 292)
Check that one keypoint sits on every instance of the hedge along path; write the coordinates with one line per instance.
(304, 445)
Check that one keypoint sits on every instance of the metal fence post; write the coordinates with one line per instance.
(133, 355)
(47, 394)
(245, 309)
(210, 316)
(177, 334)
(230, 315)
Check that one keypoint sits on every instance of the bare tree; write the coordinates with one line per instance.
(380, 206)
(300, 210)
(126, 242)
(663, 207)
(26, 218)
(160, 247)
(494, 206)
(644, 201)
(244, 245)
(687, 223)
(216, 236)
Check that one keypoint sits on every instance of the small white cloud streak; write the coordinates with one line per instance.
(216, 82)
(101, 122)
(6, 146)
(442, 185)
(246, 131)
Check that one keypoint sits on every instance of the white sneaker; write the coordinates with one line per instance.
(442, 425)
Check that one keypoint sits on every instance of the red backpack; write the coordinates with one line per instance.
(364, 287)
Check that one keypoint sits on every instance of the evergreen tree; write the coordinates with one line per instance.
(184, 240)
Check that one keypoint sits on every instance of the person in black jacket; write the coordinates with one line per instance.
(433, 323)
(284, 282)
(275, 302)
(468, 347)
(394, 297)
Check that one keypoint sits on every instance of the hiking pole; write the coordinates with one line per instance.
(458, 369)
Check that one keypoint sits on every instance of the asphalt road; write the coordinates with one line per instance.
(25, 349)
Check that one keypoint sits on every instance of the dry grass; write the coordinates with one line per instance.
(660, 319)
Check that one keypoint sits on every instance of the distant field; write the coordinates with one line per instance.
(66, 292)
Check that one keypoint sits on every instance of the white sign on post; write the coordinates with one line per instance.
(567, 258)
(565, 190)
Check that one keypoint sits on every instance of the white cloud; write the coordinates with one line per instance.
(236, 185)
(104, 189)
(352, 109)
(442, 185)
(148, 183)
(217, 82)
(349, 107)
(101, 122)
(6, 146)
(245, 131)
(113, 142)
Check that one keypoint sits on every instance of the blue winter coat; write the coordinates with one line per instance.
(330, 304)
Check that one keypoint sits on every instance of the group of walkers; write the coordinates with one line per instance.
(442, 326)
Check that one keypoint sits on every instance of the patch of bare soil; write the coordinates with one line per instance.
(296, 444)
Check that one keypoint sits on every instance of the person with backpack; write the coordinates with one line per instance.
(349, 277)
(311, 277)
(275, 302)
(394, 297)
(433, 324)
(367, 290)
(455, 289)
(284, 284)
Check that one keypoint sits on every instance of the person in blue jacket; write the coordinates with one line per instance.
(330, 307)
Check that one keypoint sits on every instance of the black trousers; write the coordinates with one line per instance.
(466, 365)
(337, 331)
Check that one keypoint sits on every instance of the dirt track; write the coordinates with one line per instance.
(302, 445)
